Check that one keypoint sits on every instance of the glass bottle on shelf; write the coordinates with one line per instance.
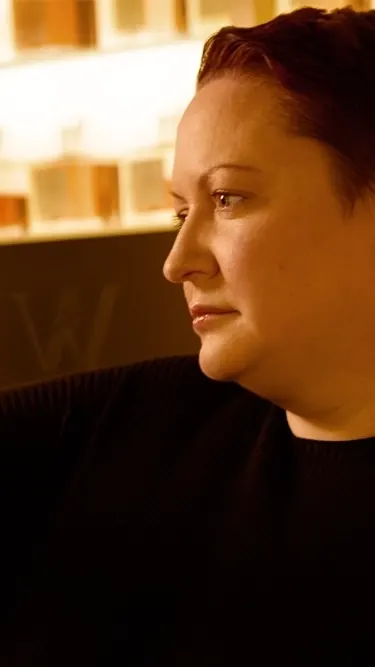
(264, 10)
(144, 186)
(362, 5)
(54, 24)
(74, 193)
(132, 22)
(167, 131)
(204, 17)
(14, 196)
(6, 37)
(146, 178)
(13, 215)
(329, 4)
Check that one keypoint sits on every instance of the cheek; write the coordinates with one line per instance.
(255, 267)
(268, 273)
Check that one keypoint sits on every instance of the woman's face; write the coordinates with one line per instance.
(265, 237)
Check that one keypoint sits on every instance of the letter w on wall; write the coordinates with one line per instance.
(63, 340)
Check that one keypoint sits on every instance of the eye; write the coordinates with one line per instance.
(225, 201)
(178, 219)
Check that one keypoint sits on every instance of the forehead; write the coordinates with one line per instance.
(226, 118)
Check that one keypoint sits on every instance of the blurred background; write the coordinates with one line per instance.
(91, 93)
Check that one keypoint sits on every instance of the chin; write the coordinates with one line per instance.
(236, 359)
(221, 362)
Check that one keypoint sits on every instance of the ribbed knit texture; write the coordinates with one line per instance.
(150, 516)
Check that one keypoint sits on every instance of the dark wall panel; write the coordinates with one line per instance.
(82, 304)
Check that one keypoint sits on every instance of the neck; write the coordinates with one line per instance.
(338, 424)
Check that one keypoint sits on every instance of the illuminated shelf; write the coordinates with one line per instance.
(15, 237)
(118, 98)
(30, 28)
(77, 195)
(106, 96)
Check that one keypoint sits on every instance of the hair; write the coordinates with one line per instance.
(323, 65)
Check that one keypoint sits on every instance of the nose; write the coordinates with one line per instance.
(191, 255)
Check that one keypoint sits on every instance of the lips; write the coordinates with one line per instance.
(200, 310)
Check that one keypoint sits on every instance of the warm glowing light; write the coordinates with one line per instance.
(118, 97)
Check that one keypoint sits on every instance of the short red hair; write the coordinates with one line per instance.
(324, 66)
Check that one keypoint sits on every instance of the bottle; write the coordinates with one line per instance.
(264, 10)
(6, 37)
(330, 4)
(74, 191)
(205, 17)
(132, 22)
(14, 194)
(166, 138)
(146, 177)
(13, 215)
(74, 194)
(41, 24)
(144, 185)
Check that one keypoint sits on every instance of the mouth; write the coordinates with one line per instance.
(205, 317)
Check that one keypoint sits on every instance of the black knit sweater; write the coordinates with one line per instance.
(150, 516)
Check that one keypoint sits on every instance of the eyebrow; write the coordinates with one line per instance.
(212, 170)
(232, 165)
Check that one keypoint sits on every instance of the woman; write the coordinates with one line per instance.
(221, 511)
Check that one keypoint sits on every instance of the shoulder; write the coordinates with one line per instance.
(88, 398)
(155, 396)
(96, 386)
(179, 374)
